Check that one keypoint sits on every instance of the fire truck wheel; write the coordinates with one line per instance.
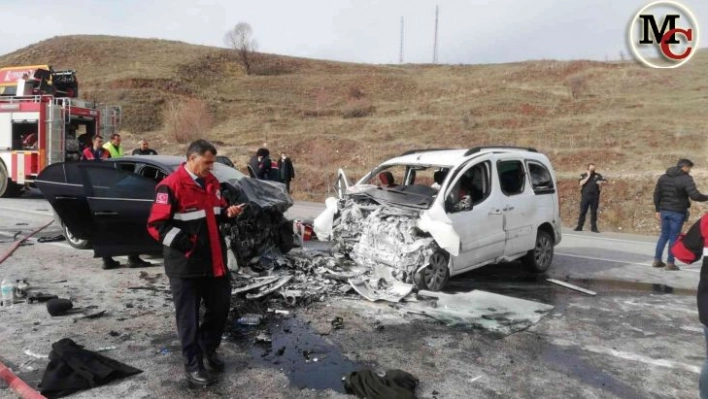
(8, 189)
(74, 241)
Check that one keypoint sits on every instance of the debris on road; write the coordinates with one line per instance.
(394, 384)
(59, 306)
(381, 289)
(480, 309)
(571, 286)
(17, 244)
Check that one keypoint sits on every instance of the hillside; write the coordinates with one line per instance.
(632, 121)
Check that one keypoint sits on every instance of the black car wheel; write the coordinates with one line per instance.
(539, 259)
(74, 241)
(435, 276)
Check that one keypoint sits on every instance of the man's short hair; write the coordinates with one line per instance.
(142, 141)
(114, 135)
(591, 164)
(96, 137)
(683, 162)
(262, 152)
(200, 147)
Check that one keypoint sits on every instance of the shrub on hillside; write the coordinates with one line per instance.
(358, 108)
(578, 85)
(187, 120)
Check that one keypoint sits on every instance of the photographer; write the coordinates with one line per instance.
(590, 183)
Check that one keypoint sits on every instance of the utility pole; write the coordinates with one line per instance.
(435, 40)
(400, 55)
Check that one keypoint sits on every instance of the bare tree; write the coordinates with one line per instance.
(239, 39)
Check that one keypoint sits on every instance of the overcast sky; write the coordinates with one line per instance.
(470, 31)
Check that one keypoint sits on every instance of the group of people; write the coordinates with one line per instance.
(672, 199)
(112, 149)
(262, 166)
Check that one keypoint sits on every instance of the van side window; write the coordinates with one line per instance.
(512, 177)
(541, 180)
(471, 188)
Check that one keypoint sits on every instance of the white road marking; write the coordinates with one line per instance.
(603, 259)
(609, 239)
(643, 359)
(686, 268)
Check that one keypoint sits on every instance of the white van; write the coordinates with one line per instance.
(432, 214)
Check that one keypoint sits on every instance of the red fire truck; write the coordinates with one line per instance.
(42, 121)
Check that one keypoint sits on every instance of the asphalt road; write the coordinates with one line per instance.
(639, 337)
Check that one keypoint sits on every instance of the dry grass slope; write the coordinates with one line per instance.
(631, 120)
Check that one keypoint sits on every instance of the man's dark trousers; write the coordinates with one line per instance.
(188, 294)
(588, 202)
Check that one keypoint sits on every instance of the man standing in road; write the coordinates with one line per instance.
(184, 218)
(671, 200)
(114, 146)
(144, 149)
(287, 171)
(590, 183)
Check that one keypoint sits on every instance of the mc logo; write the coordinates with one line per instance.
(663, 34)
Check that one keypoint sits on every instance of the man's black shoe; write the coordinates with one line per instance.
(137, 262)
(109, 263)
(595, 230)
(578, 229)
(214, 362)
(200, 378)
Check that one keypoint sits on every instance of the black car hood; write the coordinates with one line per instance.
(263, 193)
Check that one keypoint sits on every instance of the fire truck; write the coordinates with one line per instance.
(43, 121)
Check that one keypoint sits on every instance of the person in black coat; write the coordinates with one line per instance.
(590, 188)
(672, 196)
(287, 171)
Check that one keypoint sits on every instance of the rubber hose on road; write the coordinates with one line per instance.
(17, 244)
(16, 384)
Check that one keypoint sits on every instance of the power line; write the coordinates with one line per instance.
(400, 56)
(435, 40)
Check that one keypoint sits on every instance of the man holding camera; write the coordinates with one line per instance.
(590, 183)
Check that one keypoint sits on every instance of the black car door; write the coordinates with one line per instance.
(119, 202)
(62, 186)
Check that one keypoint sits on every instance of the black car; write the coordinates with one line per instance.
(105, 205)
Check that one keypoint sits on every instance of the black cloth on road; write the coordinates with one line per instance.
(395, 384)
(72, 368)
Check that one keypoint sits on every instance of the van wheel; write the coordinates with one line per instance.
(539, 259)
(74, 241)
(435, 276)
(8, 189)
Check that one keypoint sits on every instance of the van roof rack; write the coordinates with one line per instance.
(498, 147)
(429, 150)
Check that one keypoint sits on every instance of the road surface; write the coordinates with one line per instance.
(639, 337)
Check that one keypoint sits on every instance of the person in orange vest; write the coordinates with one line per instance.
(96, 152)
(185, 218)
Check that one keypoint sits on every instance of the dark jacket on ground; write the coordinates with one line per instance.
(673, 190)
(72, 368)
(287, 171)
(185, 219)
